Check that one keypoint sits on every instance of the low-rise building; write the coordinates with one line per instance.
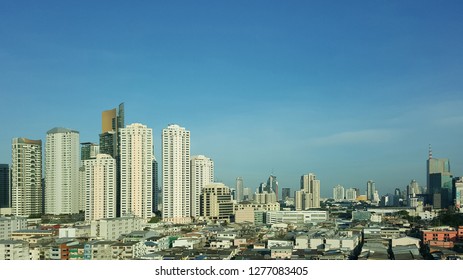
(14, 250)
(10, 224)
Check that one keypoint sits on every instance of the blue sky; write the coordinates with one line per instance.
(348, 90)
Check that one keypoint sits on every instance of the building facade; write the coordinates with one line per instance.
(216, 202)
(62, 162)
(239, 189)
(202, 174)
(176, 188)
(308, 196)
(26, 177)
(100, 187)
(5, 188)
(136, 170)
(338, 193)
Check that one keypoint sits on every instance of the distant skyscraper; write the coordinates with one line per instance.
(202, 174)
(439, 181)
(136, 170)
(272, 185)
(458, 190)
(338, 193)
(371, 189)
(89, 150)
(100, 187)
(285, 193)
(310, 188)
(5, 192)
(26, 176)
(62, 161)
(239, 189)
(176, 188)
(156, 191)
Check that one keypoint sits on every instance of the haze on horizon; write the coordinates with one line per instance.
(348, 90)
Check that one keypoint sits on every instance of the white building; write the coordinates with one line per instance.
(26, 177)
(338, 193)
(62, 161)
(239, 189)
(10, 224)
(296, 217)
(176, 189)
(14, 250)
(111, 229)
(202, 174)
(351, 194)
(309, 195)
(100, 187)
(137, 170)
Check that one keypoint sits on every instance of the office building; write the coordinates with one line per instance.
(26, 176)
(216, 202)
(439, 181)
(89, 150)
(176, 188)
(371, 189)
(202, 174)
(5, 191)
(285, 193)
(239, 189)
(100, 187)
(136, 158)
(272, 185)
(458, 193)
(62, 162)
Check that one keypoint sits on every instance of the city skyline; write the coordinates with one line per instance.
(351, 92)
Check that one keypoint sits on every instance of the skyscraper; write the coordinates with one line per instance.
(156, 191)
(439, 181)
(136, 170)
(5, 192)
(272, 185)
(62, 161)
(351, 194)
(176, 188)
(112, 121)
(371, 189)
(239, 189)
(26, 176)
(285, 193)
(202, 174)
(309, 194)
(100, 187)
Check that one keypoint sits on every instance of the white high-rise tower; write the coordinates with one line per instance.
(202, 174)
(176, 189)
(136, 170)
(100, 187)
(62, 161)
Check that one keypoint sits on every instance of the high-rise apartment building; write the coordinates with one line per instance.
(351, 194)
(176, 188)
(136, 170)
(202, 174)
(100, 187)
(5, 191)
(338, 193)
(309, 195)
(458, 191)
(239, 189)
(62, 162)
(26, 176)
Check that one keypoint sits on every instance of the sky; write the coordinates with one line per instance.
(349, 90)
